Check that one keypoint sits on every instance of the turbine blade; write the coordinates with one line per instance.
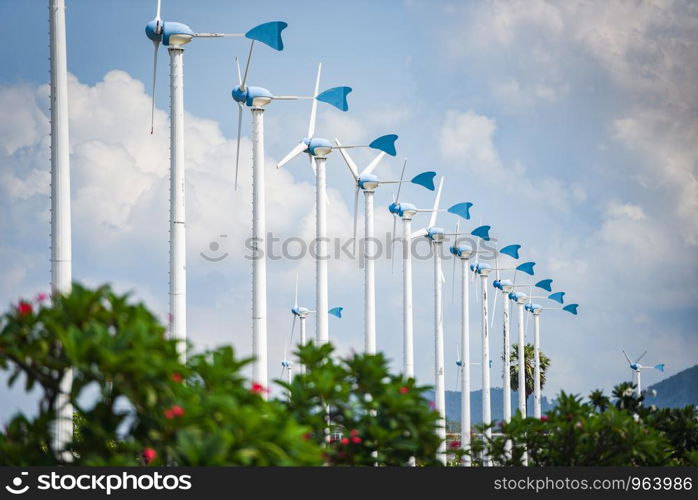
(237, 153)
(349, 161)
(156, 44)
(290, 156)
(417, 234)
(432, 220)
(372, 166)
(237, 63)
(313, 167)
(642, 356)
(494, 308)
(293, 327)
(453, 278)
(247, 67)
(313, 109)
(157, 16)
(402, 176)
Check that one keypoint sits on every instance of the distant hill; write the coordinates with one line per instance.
(496, 400)
(676, 391)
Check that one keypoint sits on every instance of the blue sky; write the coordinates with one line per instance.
(571, 127)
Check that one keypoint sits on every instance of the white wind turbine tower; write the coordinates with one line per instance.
(256, 98)
(536, 311)
(317, 150)
(367, 182)
(61, 250)
(636, 367)
(175, 36)
(436, 235)
(506, 287)
(406, 211)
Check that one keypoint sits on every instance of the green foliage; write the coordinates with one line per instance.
(529, 358)
(361, 413)
(599, 432)
(142, 396)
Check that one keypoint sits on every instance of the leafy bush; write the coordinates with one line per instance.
(362, 413)
(145, 406)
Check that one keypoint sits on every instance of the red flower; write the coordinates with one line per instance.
(356, 439)
(176, 377)
(544, 418)
(41, 297)
(345, 441)
(455, 444)
(149, 455)
(404, 390)
(307, 436)
(258, 388)
(24, 308)
(173, 411)
(354, 432)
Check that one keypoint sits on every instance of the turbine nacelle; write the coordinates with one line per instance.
(481, 268)
(435, 234)
(518, 297)
(368, 182)
(252, 96)
(504, 285)
(318, 147)
(286, 363)
(403, 210)
(463, 252)
(535, 309)
(301, 312)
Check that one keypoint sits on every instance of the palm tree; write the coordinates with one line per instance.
(530, 369)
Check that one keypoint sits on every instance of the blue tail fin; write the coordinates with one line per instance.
(336, 96)
(462, 209)
(425, 179)
(269, 34)
(511, 250)
(385, 143)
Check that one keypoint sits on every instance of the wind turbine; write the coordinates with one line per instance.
(317, 150)
(61, 249)
(506, 286)
(302, 314)
(175, 36)
(435, 235)
(464, 253)
(406, 212)
(256, 98)
(536, 310)
(636, 367)
(368, 182)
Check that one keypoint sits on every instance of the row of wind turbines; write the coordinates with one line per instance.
(175, 36)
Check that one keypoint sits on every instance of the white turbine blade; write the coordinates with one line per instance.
(442, 276)
(237, 63)
(293, 327)
(421, 232)
(313, 167)
(156, 44)
(458, 351)
(494, 308)
(627, 357)
(432, 220)
(290, 156)
(313, 109)
(641, 356)
(348, 160)
(372, 166)
(295, 300)
(157, 16)
(237, 153)
(402, 175)
(247, 67)
(356, 212)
